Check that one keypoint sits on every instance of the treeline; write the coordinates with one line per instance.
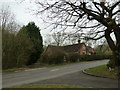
(22, 48)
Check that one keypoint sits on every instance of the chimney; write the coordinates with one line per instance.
(78, 41)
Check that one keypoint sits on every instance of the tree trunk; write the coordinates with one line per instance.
(114, 62)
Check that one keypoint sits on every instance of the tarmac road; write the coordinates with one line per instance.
(42, 74)
(82, 80)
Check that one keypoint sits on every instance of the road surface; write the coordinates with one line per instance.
(39, 74)
(82, 80)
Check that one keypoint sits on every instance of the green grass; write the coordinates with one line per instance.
(101, 70)
(15, 69)
(52, 86)
(48, 86)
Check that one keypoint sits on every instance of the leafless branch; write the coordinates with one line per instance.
(113, 6)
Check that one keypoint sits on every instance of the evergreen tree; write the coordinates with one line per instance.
(24, 47)
(34, 34)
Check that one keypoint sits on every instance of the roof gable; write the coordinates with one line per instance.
(73, 48)
(68, 48)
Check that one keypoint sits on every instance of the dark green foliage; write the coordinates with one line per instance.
(35, 37)
(73, 57)
(24, 47)
(56, 58)
(77, 57)
(111, 64)
(8, 50)
(93, 57)
(60, 57)
(16, 49)
(114, 61)
(21, 49)
(44, 59)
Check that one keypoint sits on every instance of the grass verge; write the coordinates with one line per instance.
(62, 86)
(48, 86)
(102, 71)
(15, 69)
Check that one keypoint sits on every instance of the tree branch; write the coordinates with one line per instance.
(93, 38)
(95, 4)
(102, 4)
(114, 5)
(115, 12)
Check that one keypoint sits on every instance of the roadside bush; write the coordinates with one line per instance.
(44, 59)
(56, 58)
(21, 49)
(94, 57)
(73, 57)
(60, 57)
(8, 50)
(113, 62)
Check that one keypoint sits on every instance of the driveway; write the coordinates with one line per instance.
(45, 75)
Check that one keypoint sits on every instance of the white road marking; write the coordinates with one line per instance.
(54, 70)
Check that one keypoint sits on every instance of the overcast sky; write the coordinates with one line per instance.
(20, 10)
(24, 15)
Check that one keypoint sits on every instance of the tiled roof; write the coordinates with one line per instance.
(72, 48)
(68, 48)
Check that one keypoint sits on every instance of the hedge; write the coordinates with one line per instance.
(73, 57)
(56, 58)
(94, 57)
(60, 57)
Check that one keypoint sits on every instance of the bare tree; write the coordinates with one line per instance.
(59, 38)
(72, 38)
(7, 20)
(48, 40)
(98, 19)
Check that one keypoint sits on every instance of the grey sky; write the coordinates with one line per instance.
(24, 15)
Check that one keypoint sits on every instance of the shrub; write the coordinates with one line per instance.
(44, 58)
(113, 62)
(94, 57)
(56, 58)
(8, 50)
(60, 57)
(73, 57)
